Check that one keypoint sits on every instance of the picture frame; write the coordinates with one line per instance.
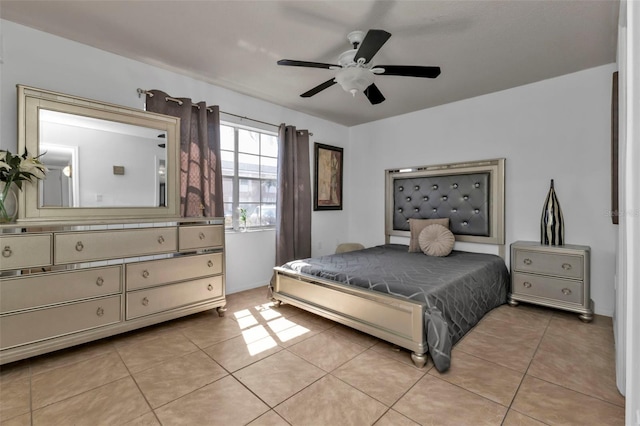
(328, 177)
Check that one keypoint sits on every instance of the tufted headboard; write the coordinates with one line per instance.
(470, 194)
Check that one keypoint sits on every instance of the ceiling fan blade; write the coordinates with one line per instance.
(372, 42)
(374, 94)
(410, 71)
(292, 63)
(319, 88)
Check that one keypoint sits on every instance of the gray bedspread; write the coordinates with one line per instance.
(458, 289)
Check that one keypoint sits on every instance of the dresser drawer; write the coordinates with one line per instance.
(22, 328)
(32, 291)
(76, 247)
(156, 272)
(562, 265)
(158, 299)
(200, 237)
(25, 251)
(549, 288)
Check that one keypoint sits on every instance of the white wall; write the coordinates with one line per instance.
(555, 129)
(44, 61)
(628, 306)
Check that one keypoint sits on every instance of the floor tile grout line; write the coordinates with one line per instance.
(85, 391)
(525, 373)
(559, 315)
(290, 396)
(138, 387)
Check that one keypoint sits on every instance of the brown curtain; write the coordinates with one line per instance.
(293, 208)
(200, 164)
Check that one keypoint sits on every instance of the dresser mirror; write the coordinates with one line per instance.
(105, 161)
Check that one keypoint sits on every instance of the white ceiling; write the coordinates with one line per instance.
(481, 46)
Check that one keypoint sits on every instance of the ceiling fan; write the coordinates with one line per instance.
(355, 73)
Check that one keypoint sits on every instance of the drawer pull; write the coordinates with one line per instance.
(145, 274)
(210, 287)
(145, 301)
(201, 235)
(160, 239)
(100, 281)
(100, 312)
(210, 263)
(526, 284)
(7, 251)
(566, 266)
(79, 246)
(527, 261)
(566, 291)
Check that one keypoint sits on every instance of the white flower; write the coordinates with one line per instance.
(33, 166)
(3, 159)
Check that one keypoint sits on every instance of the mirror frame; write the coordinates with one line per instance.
(31, 100)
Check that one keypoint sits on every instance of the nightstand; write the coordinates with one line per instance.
(553, 276)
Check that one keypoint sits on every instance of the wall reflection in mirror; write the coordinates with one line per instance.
(100, 163)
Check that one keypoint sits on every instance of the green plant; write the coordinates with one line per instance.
(17, 169)
(243, 215)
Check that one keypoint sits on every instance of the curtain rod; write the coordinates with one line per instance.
(168, 98)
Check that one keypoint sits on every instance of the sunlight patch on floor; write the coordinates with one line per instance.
(257, 337)
(261, 345)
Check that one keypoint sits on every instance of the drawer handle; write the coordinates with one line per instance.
(566, 291)
(160, 239)
(145, 301)
(7, 251)
(210, 287)
(99, 281)
(201, 235)
(100, 312)
(566, 266)
(79, 246)
(526, 284)
(527, 261)
(145, 274)
(210, 263)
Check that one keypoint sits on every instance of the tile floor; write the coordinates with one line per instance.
(262, 365)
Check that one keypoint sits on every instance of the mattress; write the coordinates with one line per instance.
(458, 289)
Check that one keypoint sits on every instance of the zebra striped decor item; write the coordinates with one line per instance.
(552, 222)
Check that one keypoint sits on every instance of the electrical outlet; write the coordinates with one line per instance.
(638, 417)
(319, 245)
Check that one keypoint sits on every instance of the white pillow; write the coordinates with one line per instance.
(436, 240)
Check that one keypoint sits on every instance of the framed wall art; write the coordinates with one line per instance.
(614, 150)
(328, 173)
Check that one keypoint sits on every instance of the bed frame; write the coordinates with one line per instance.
(470, 194)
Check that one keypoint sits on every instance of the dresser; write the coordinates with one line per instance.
(552, 276)
(62, 284)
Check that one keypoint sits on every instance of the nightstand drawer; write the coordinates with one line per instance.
(548, 288)
(562, 265)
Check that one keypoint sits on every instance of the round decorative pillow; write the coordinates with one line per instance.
(436, 240)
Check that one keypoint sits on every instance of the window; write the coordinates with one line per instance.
(249, 175)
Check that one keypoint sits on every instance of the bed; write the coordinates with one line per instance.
(422, 303)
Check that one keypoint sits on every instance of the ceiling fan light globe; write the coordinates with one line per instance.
(354, 80)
